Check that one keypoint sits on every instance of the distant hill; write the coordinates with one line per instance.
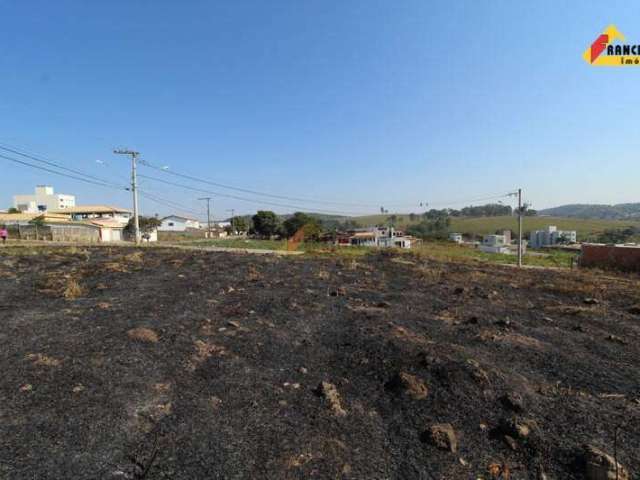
(621, 211)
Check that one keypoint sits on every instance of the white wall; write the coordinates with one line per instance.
(173, 224)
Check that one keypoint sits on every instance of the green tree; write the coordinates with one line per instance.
(266, 223)
(312, 226)
(147, 225)
(13, 210)
(239, 224)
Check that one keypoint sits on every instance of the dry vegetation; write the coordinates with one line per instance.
(191, 365)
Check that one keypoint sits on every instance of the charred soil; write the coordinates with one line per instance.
(166, 364)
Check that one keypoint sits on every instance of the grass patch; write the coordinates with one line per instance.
(240, 243)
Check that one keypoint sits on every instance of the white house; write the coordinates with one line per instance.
(96, 212)
(494, 244)
(455, 237)
(177, 223)
(380, 237)
(43, 200)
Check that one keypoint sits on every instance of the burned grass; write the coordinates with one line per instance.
(187, 365)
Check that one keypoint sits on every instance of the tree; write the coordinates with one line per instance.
(412, 217)
(436, 227)
(311, 226)
(239, 224)
(266, 223)
(392, 219)
(147, 225)
(13, 210)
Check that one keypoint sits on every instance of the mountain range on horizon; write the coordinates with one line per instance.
(620, 211)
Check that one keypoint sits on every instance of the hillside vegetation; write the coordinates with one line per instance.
(620, 211)
(486, 225)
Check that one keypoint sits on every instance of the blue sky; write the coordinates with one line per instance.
(365, 102)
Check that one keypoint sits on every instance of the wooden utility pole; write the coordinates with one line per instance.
(134, 190)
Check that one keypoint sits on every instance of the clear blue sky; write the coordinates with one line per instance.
(375, 102)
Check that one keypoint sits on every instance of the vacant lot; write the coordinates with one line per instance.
(168, 364)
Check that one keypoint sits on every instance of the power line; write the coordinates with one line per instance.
(167, 203)
(243, 199)
(56, 165)
(81, 179)
(254, 192)
(469, 200)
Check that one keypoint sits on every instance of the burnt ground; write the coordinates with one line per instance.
(224, 383)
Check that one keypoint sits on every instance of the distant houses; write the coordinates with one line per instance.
(551, 236)
(62, 228)
(44, 199)
(383, 237)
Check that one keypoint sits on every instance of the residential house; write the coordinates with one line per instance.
(15, 219)
(93, 212)
(177, 223)
(377, 237)
(455, 237)
(44, 199)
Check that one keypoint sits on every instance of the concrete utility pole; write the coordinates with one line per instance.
(233, 211)
(520, 227)
(208, 199)
(134, 190)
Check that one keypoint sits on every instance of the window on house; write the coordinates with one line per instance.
(171, 224)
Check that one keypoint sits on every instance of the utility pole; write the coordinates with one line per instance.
(233, 211)
(208, 199)
(134, 189)
(520, 227)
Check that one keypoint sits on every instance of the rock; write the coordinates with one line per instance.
(142, 334)
(599, 465)
(503, 323)
(233, 323)
(516, 427)
(409, 385)
(330, 393)
(499, 471)
(511, 442)
(458, 290)
(513, 401)
(634, 310)
(591, 301)
(616, 339)
(443, 436)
